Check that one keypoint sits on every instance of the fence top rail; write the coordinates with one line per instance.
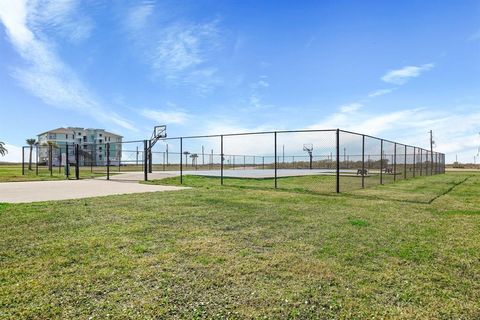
(238, 134)
(249, 133)
(386, 140)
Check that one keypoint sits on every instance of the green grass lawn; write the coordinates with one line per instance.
(405, 250)
(13, 173)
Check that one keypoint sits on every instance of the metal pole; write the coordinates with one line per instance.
(405, 164)
(181, 161)
(36, 156)
(338, 161)
(395, 162)
(77, 162)
(275, 146)
(145, 161)
(50, 156)
(263, 163)
(421, 162)
(381, 161)
(108, 160)
(221, 160)
(136, 157)
(67, 166)
(91, 158)
(363, 161)
(164, 161)
(203, 155)
(150, 156)
(23, 161)
(414, 160)
(431, 152)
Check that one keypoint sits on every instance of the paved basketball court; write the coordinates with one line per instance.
(229, 173)
(24, 192)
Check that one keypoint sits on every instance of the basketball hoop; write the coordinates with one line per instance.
(159, 132)
(308, 147)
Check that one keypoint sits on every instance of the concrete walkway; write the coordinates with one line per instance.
(24, 192)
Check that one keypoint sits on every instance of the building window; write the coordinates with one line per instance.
(100, 135)
(100, 157)
(66, 136)
(100, 141)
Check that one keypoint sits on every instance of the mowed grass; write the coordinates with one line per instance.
(242, 252)
(13, 173)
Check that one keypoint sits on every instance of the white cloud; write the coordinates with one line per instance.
(137, 16)
(183, 47)
(401, 76)
(46, 76)
(351, 107)
(165, 117)
(64, 17)
(379, 92)
(182, 53)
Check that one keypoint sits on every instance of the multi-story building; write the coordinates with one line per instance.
(92, 145)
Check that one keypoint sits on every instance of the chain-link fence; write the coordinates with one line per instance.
(319, 161)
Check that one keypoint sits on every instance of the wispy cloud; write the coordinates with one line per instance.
(65, 18)
(179, 52)
(165, 116)
(46, 75)
(402, 75)
(380, 92)
(351, 107)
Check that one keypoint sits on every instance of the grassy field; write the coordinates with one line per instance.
(405, 250)
(13, 173)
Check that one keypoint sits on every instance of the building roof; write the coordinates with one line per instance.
(70, 129)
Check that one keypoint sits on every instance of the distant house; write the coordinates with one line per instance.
(92, 144)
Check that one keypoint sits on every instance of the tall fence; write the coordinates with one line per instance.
(316, 160)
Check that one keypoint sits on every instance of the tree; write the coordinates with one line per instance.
(3, 150)
(186, 153)
(194, 157)
(31, 143)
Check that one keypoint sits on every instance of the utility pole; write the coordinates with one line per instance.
(431, 151)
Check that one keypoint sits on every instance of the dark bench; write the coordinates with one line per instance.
(362, 172)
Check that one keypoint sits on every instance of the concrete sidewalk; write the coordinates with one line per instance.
(24, 192)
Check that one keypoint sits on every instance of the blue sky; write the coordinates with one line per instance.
(393, 69)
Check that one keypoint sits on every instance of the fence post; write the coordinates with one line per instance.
(394, 161)
(67, 166)
(37, 157)
(221, 160)
(93, 154)
(145, 160)
(23, 161)
(108, 160)
(50, 159)
(77, 162)
(181, 160)
(338, 161)
(405, 164)
(421, 162)
(275, 146)
(381, 161)
(150, 156)
(363, 161)
(414, 160)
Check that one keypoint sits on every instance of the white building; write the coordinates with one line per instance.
(92, 145)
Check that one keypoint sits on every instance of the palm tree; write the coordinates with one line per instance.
(31, 143)
(3, 150)
(186, 153)
(194, 157)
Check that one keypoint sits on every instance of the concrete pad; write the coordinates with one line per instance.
(34, 191)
